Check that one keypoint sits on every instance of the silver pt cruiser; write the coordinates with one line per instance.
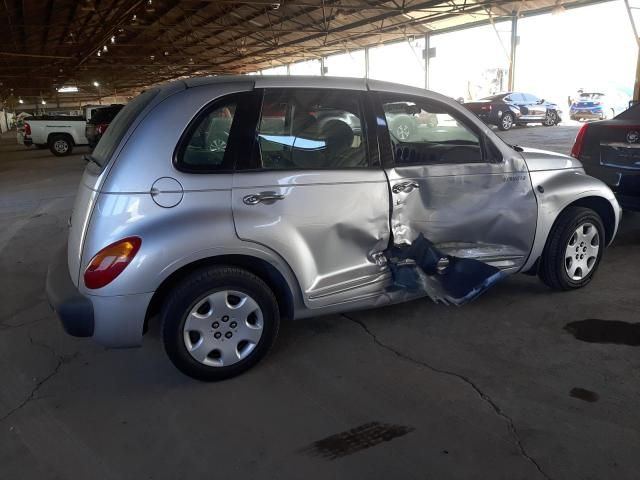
(224, 204)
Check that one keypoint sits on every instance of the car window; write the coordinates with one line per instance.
(206, 142)
(530, 98)
(429, 133)
(311, 129)
(508, 98)
(517, 97)
(118, 128)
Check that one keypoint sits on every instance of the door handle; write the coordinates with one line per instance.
(405, 187)
(266, 197)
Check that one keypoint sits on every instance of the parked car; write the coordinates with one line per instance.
(610, 151)
(406, 123)
(99, 122)
(515, 108)
(597, 106)
(289, 220)
(60, 134)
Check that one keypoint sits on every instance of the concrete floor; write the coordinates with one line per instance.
(497, 389)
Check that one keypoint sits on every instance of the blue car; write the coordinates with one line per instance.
(596, 106)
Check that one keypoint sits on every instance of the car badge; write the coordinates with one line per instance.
(633, 136)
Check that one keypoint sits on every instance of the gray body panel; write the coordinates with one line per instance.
(321, 237)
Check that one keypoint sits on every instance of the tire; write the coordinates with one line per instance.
(550, 119)
(403, 128)
(558, 256)
(60, 145)
(254, 334)
(506, 122)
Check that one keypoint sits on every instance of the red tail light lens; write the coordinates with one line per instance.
(27, 129)
(101, 128)
(577, 146)
(109, 262)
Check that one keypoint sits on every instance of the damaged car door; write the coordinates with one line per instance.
(312, 193)
(450, 183)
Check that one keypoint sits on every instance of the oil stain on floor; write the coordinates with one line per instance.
(605, 331)
(584, 394)
(356, 439)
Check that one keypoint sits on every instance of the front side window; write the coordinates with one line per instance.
(311, 129)
(428, 133)
(206, 143)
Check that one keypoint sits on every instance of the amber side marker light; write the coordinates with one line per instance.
(109, 262)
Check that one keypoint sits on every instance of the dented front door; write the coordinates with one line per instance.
(448, 183)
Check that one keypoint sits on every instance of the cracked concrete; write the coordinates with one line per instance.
(75, 410)
(484, 396)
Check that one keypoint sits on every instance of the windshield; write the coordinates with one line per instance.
(591, 96)
(119, 126)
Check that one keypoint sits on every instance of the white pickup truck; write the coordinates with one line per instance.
(60, 133)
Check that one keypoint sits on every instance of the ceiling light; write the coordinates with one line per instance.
(166, 54)
(99, 53)
(152, 57)
(68, 89)
(149, 7)
(191, 61)
(96, 84)
(20, 100)
(113, 39)
(105, 49)
(43, 102)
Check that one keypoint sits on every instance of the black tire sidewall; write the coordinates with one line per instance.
(191, 290)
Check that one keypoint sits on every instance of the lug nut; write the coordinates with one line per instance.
(233, 324)
(217, 335)
(215, 325)
(225, 318)
(228, 334)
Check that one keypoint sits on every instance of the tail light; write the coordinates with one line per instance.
(110, 262)
(577, 146)
(27, 129)
(101, 127)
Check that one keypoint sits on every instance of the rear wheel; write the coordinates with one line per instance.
(506, 122)
(219, 322)
(574, 249)
(60, 145)
(403, 128)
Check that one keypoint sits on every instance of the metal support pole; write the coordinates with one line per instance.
(636, 83)
(322, 73)
(514, 46)
(427, 58)
(366, 62)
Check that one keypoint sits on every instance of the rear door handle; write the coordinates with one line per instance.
(262, 197)
(405, 187)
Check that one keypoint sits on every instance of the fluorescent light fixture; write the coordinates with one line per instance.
(44, 102)
(113, 39)
(68, 89)
(20, 100)
(96, 84)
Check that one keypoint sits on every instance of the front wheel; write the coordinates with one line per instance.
(574, 249)
(506, 122)
(219, 322)
(550, 119)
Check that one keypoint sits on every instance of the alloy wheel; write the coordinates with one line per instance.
(582, 251)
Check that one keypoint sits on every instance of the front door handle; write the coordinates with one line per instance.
(262, 197)
(405, 187)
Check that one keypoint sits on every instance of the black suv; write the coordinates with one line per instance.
(515, 108)
(99, 121)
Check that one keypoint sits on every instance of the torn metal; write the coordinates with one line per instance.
(420, 267)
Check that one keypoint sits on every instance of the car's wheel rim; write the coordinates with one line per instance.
(223, 328)
(507, 121)
(218, 145)
(550, 119)
(582, 252)
(60, 146)
(403, 132)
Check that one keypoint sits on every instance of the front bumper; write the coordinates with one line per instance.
(113, 321)
(74, 309)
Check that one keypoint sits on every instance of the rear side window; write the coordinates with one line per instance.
(206, 142)
(311, 129)
(118, 128)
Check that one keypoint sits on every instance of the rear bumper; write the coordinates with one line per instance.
(74, 309)
(112, 321)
